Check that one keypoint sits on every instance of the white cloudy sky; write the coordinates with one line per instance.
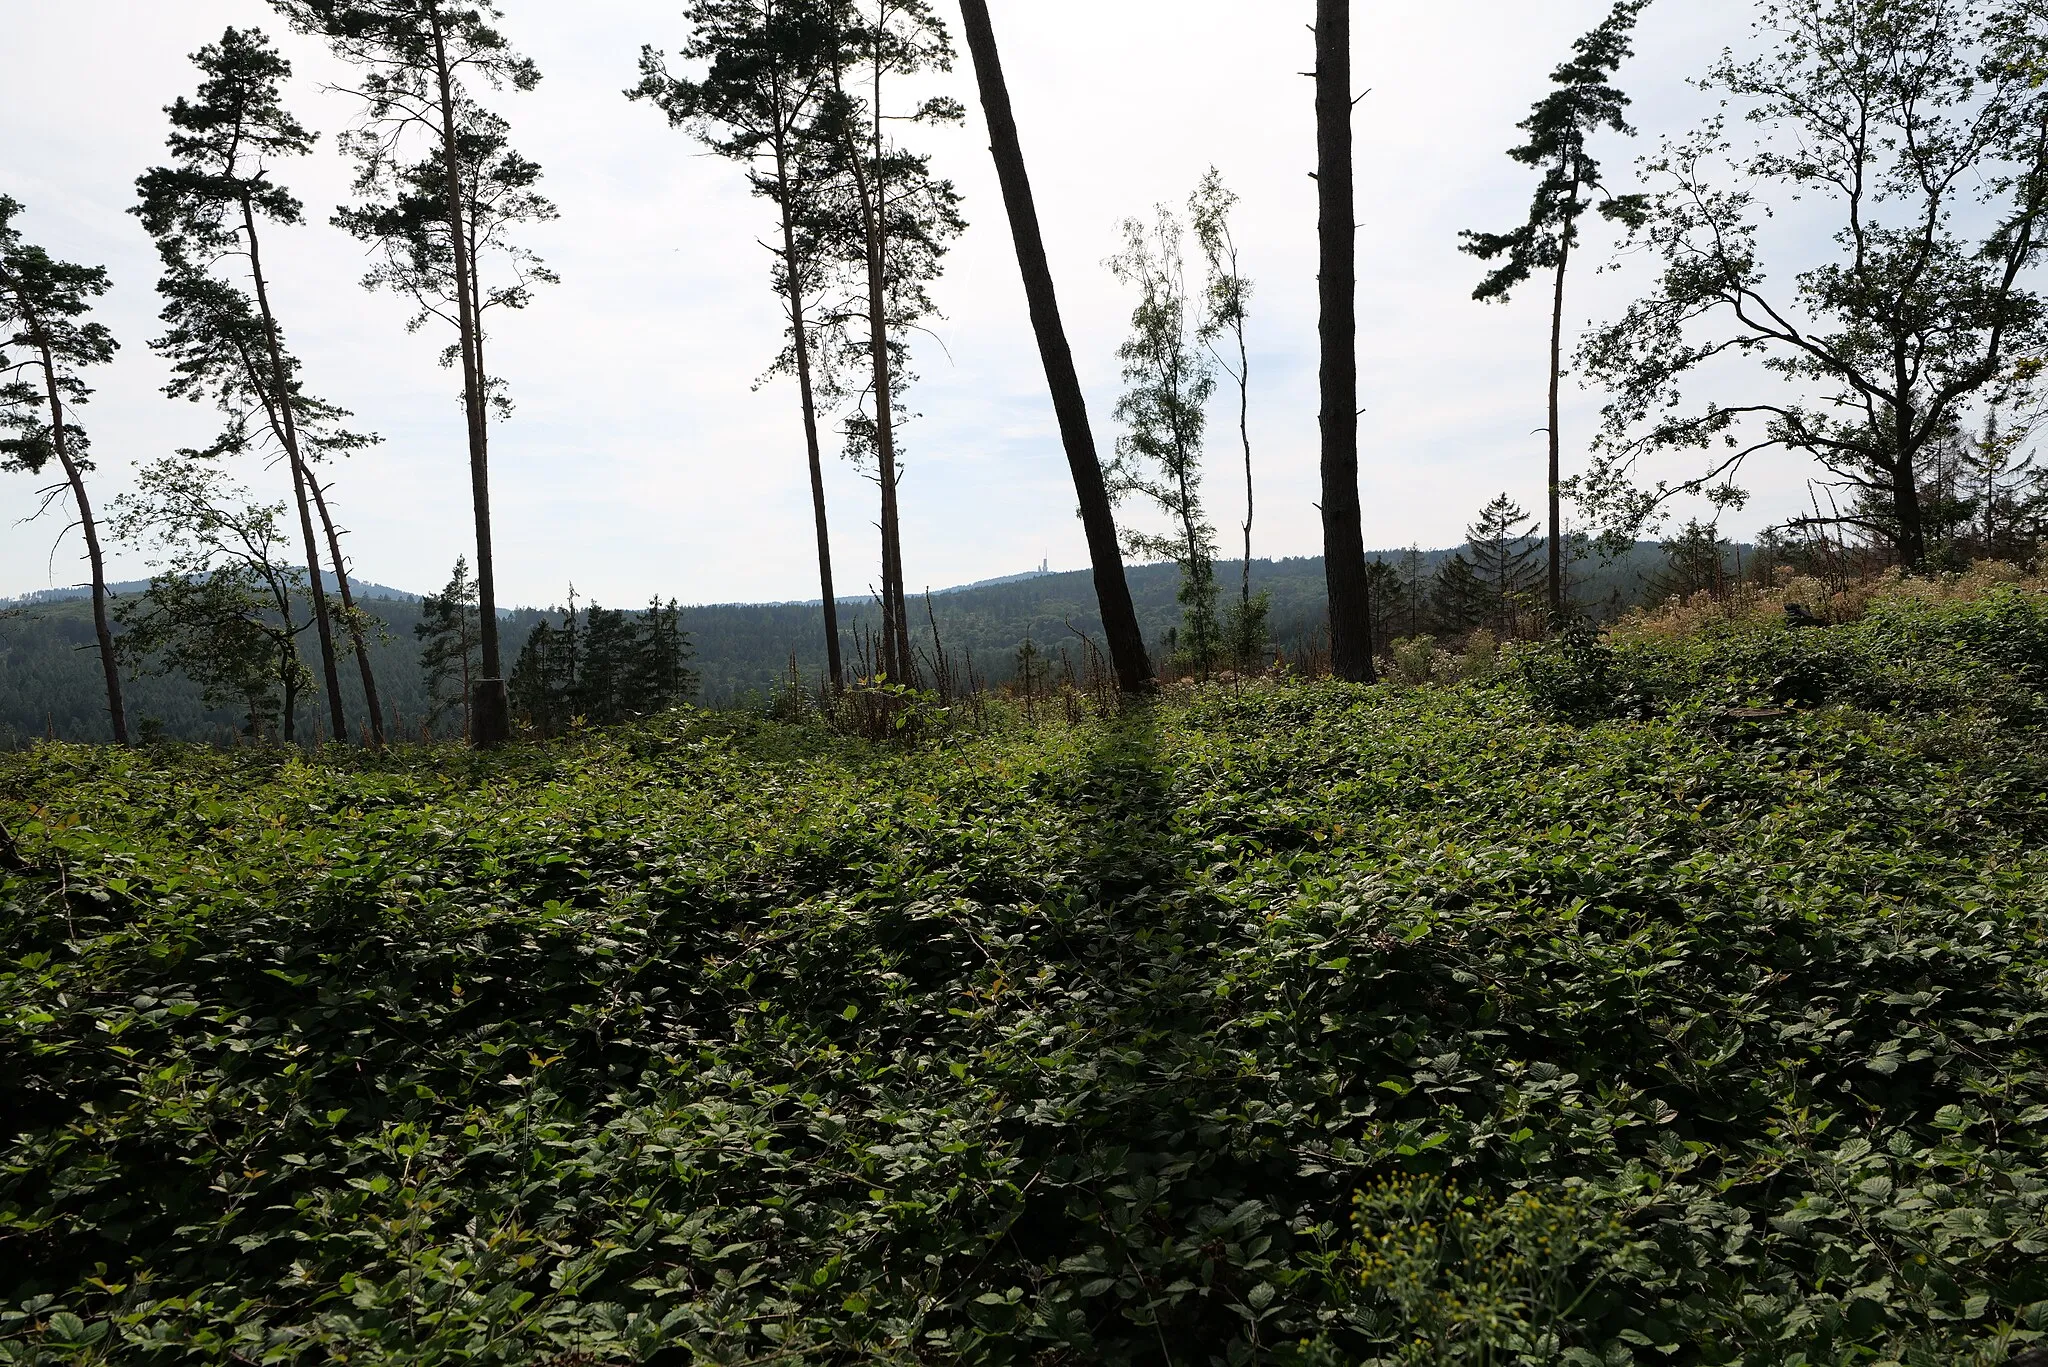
(643, 460)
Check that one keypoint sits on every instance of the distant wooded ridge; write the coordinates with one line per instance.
(743, 652)
(366, 588)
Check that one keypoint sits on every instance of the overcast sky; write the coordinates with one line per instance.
(642, 458)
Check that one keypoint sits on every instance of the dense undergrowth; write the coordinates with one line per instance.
(1677, 1000)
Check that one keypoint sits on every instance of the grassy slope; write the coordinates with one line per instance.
(730, 1042)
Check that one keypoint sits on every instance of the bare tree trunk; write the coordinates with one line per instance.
(60, 441)
(1244, 432)
(1556, 440)
(288, 433)
(1098, 519)
(806, 388)
(1907, 511)
(355, 625)
(895, 624)
(1909, 536)
(102, 626)
(492, 710)
(1343, 531)
(287, 658)
(895, 648)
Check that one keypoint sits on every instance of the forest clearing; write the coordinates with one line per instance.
(1674, 999)
(1605, 927)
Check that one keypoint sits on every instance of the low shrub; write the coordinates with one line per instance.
(1955, 655)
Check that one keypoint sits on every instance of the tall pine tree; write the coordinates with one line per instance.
(206, 213)
(896, 224)
(441, 190)
(767, 79)
(45, 342)
(1560, 128)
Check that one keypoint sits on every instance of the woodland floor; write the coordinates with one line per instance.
(1672, 1003)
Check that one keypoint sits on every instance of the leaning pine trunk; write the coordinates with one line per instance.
(1343, 532)
(792, 269)
(281, 410)
(355, 625)
(103, 628)
(1098, 519)
(1556, 441)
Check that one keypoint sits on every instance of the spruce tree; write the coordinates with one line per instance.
(545, 681)
(1458, 596)
(45, 342)
(768, 70)
(1503, 555)
(662, 678)
(1559, 129)
(603, 667)
(449, 632)
(206, 212)
(1695, 561)
(439, 213)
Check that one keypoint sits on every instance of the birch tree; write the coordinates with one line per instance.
(1169, 378)
(222, 608)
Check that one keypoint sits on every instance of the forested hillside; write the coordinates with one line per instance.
(49, 673)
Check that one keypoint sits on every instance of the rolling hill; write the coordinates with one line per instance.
(49, 684)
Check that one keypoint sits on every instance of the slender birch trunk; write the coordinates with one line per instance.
(88, 526)
(1244, 432)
